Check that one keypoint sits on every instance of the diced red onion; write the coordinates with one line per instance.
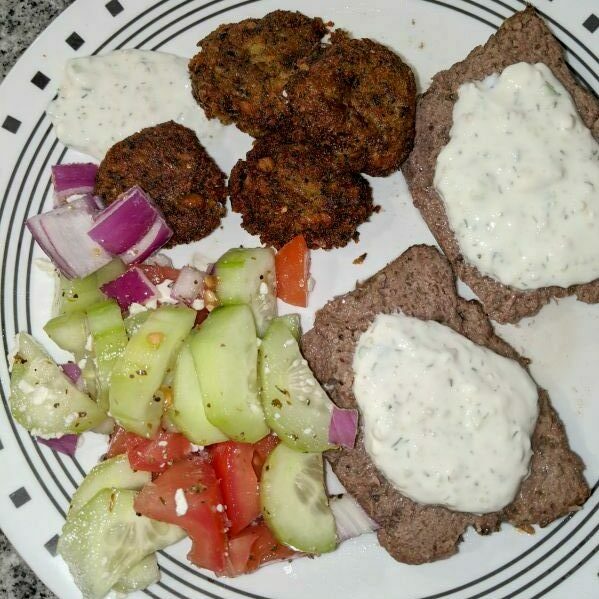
(72, 371)
(160, 260)
(65, 444)
(152, 241)
(72, 179)
(133, 286)
(62, 235)
(189, 285)
(125, 222)
(343, 427)
(351, 520)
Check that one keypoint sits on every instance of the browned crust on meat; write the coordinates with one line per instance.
(287, 189)
(420, 283)
(242, 69)
(169, 163)
(523, 37)
(357, 98)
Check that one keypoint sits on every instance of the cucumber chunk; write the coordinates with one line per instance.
(138, 374)
(113, 473)
(295, 405)
(69, 332)
(106, 538)
(79, 294)
(247, 276)
(141, 576)
(224, 351)
(109, 338)
(134, 321)
(293, 323)
(43, 399)
(187, 410)
(294, 501)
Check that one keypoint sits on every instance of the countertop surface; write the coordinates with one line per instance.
(20, 23)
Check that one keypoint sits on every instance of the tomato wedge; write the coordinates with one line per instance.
(238, 481)
(149, 455)
(254, 547)
(159, 274)
(199, 514)
(262, 450)
(292, 265)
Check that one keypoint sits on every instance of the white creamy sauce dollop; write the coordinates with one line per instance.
(520, 180)
(103, 99)
(448, 422)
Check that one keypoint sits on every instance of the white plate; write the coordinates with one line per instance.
(563, 341)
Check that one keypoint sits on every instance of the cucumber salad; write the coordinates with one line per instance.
(217, 424)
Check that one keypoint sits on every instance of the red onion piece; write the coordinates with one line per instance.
(62, 235)
(65, 444)
(133, 286)
(152, 241)
(343, 427)
(72, 371)
(351, 520)
(71, 179)
(189, 285)
(125, 222)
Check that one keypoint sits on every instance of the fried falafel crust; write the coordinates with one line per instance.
(358, 98)
(242, 69)
(169, 163)
(287, 189)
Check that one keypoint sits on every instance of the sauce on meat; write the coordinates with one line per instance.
(103, 99)
(520, 180)
(448, 422)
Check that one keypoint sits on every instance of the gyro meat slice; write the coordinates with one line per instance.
(241, 71)
(171, 165)
(358, 98)
(286, 189)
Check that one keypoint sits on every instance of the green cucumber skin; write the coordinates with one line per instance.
(294, 501)
(103, 540)
(300, 417)
(241, 273)
(112, 473)
(79, 294)
(138, 374)
(43, 399)
(109, 337)
(69, 332)
(187, 411)
(140, 576)
(225, 352)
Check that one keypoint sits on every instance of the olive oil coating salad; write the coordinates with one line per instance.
(217, 424)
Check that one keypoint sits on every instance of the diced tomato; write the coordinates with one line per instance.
(150, 455)
(201, 316)
(159, 274)
(263, 548)
(156, 455)
(238, 481)
(240, 549)
(203, 520)
(292, 264)
(121, 441)
(262, 450)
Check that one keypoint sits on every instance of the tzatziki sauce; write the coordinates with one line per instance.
(519, 178)
(448, 422)
(103, 99)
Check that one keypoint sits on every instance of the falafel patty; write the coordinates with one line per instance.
(169, 163)
(242, 68)
(359, 99)
(287, 189)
